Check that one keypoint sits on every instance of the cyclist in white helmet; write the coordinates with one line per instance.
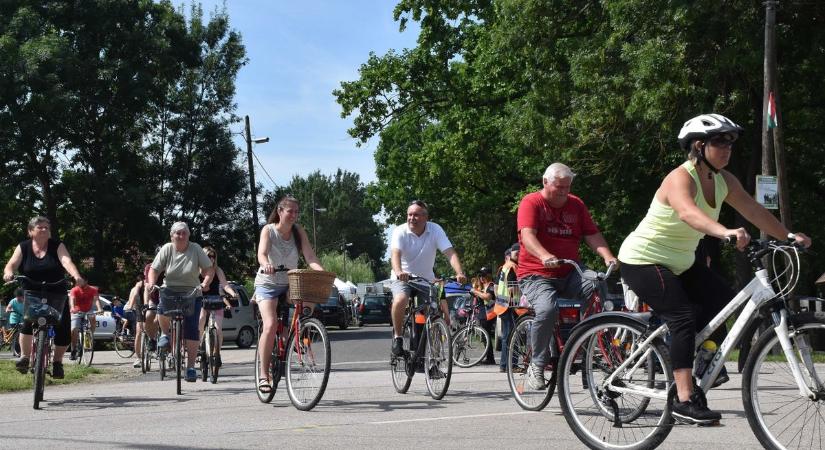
(658, 259)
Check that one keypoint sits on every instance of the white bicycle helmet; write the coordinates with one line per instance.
(706, 125)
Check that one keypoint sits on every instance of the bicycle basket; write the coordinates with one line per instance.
(313, 286)
(175, 301)
(50, 306)
(213, 303)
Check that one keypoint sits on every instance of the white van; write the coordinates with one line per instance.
(241, 327)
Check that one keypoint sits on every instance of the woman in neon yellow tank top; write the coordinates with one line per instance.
(658, 257)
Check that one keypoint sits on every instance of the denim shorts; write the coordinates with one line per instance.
(269, 292)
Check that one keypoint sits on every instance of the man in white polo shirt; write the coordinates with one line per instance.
(413, 246)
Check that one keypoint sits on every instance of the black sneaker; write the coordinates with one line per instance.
(22, 365)
(435, 374)
(398, 346)
(73, 356)
(152, 345)
(57, 370)
(218, 362)
(721, 379)
(694, 413)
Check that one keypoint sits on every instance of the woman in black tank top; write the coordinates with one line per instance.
(42, 258)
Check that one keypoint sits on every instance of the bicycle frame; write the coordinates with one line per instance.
(754, 296)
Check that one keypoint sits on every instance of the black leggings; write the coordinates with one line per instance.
(687, 302)
(62, 330)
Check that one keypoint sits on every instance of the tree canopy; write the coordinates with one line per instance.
(495, 91)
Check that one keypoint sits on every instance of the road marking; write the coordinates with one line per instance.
(383, 361)
(471, 416)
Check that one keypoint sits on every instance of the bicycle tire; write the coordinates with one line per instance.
(122, 347)
(401, 379)
(162, 363)
(264, 397)
(307, 364)
(470, 346)
(520, 356)
(767, 379)
(438, 359)
(145, 361)
(204, 353)
(87, 344)
(601, 425)
(214, 369)
(40, 363)
(178, 353)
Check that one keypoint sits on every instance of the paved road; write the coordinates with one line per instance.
(360, 409)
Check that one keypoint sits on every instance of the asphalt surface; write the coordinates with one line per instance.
(360, 409)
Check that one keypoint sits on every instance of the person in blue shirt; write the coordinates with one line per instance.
(15, 308)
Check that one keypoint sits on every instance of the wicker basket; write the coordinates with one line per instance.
(307, 285)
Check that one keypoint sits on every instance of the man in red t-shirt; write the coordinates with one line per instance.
(551, 225)
(81, 298)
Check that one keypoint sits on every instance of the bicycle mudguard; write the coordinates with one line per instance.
(643, 318)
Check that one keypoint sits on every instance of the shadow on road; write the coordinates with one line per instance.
(362, 407)
(44, 440)
(109, 402)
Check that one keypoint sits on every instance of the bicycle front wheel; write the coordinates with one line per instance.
(87, 342)
(470, 345)
(203, 356)
(778, 415)
(401, 377)
(307, 364)
(145, 360)
(438, 359)
(213, 345)
(40, 362)
(178, 335)
(521, 353)
(629, 410)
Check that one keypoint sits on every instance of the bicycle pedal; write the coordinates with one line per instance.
(715, 423)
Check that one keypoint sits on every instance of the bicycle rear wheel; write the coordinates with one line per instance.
(307, 364)
(470, 345)
(401, 379)
(124, 345)
(607, 416)
(87, 343)
(778, 415)
(265, 397)
(521, 353)
(40, 362)
(438, 359)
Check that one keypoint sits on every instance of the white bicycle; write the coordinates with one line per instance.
(623, 398)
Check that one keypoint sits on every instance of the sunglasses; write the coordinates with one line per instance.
(722, 140)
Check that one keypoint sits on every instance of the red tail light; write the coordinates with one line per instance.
(569, 315)
(361, 308)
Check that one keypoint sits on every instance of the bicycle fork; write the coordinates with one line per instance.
(781, 321)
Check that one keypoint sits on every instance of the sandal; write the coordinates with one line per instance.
(263, 386)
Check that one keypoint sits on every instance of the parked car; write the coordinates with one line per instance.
(375, 308)
(241, 327)
(335, 311)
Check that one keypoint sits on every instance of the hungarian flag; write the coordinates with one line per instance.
(772, 121)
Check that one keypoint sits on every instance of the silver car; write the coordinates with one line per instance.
(241, 327)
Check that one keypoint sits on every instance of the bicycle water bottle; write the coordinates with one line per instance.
(703, 358)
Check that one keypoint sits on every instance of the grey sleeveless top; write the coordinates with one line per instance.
(281, 252)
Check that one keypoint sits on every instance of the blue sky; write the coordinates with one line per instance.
(299, 51)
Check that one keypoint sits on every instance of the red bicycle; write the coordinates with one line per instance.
(521, 351)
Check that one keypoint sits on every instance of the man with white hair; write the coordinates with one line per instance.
(551, 225)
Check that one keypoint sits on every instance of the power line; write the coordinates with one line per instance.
(264, 169)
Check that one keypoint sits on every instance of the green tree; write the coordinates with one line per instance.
(496, 91)
(357, 270)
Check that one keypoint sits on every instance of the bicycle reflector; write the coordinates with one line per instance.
(569, 315)
(420, 319)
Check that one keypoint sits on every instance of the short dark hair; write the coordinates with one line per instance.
(18, 292)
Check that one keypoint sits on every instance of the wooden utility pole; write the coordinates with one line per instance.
(773, 147)
(252, 193)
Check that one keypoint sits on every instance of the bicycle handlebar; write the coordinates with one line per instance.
(280, 268)
(19, 278)
(599, 275)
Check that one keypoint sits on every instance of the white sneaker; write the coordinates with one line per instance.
(535, 377)
(136, 365)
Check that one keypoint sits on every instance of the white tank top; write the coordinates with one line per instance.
(281, 252)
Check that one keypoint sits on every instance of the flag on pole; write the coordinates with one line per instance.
(772, 120)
